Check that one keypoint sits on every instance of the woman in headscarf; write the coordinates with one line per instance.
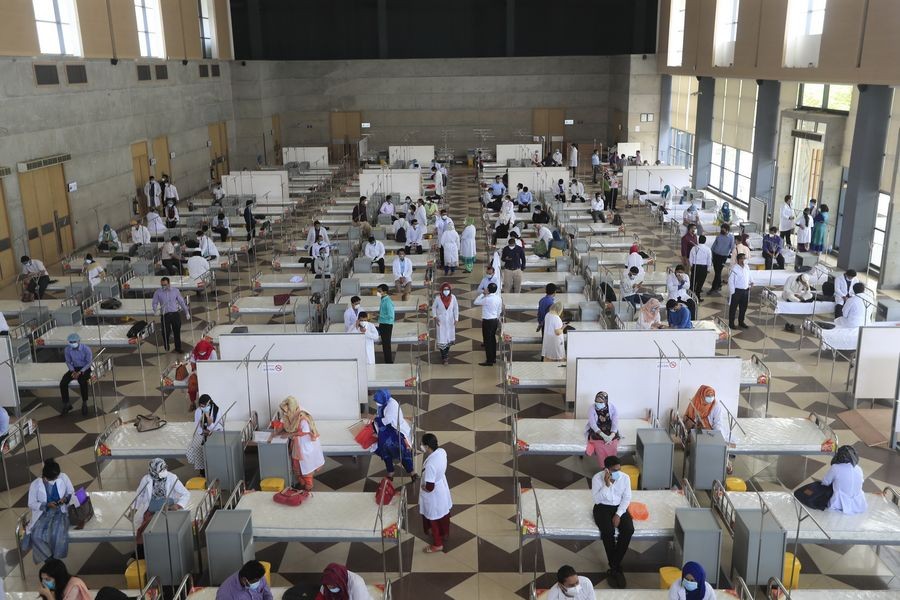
(155, 224)
(467, 246)
(602, 429)
(339, 583)
(172, 214)
(690, 217)
(48, 498)
(394, 434)
(445, 311)
(58, 584)
(207, 418)
(158, 490)
(724, 215)
(108, 240)
(648, 316)
(692, 585)
(820, 228)
(634, 258)
(306, 449)
(553, 348)
(705, 412)
(804, 231)
(845, 477)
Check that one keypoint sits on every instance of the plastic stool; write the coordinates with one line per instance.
(132, 581)
(668, 576)
(634, 473)
(195, 483)
(791, 576)
(272, 484)
(268, 566)
(735, 484)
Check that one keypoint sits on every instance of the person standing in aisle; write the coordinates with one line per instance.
(385, 321)
(786, 221)
(153, 194)
(721, 248)
(700, 259)
(445, 311)
(513, 260)
(573, 158)
(739, 285)
(170, 303)
(491, 307)
(434, 499)
(595, 165)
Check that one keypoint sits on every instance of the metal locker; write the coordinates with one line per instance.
(169, 546)
(707, 459)
(274, 459)
(229, 543)
(224, 452)
(759, 546)
(655, 452)
(699, 538)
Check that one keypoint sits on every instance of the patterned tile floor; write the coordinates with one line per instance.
(464, 407)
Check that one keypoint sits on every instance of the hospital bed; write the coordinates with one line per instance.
(778, 277)
(74, 264)
(594, 229)
(150, 283)
(568, 514)
(50, 335)
(526, 332)
(187, 591)
(369, 303)
(740, 592)
(274, 281)
(717, 324)
(12, 309)
(236, 246)
(120, 440)
(338, 263)
(257, 306)
(217, 330)
(609, 258)
(152, 591)
(529, 300)
(334, 436)
(373, 280)
(405, 332)
(841, 341)
(325, 517)
(539, 279)
(47, 375)
(393, 376)
(567, 437)
(777, 591)
(131, 307)
(770, 300)
(878, 526)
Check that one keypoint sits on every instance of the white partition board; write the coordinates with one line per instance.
(300, 346)
(326, 388)
(400, 182)
(635, 385)
(655, 178)
(517, 152)
(536, 179)
(316, 156)
(264, 184)
(9, 391)
(627, 148)
(757, 212)
(877, 362)
(423, 154)
(616, 343)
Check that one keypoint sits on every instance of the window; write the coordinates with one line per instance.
(681, 148)
(726, 31)
(803, 34)
(206, 42)
(57, 27)
(881, 220)
(825, 96)
(676, 33)
(815, 17)
(149, 27)
(162, 71)
(730, 173)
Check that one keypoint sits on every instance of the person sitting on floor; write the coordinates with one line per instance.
(845, 477)
(58, 584)
(249, 583)
(339, 583)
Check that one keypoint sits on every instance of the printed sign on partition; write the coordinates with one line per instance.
(271, 367)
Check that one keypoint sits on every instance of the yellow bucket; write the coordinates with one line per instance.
(668, 576)
(791, 576)
(735, 484)
(196, 483)
(272, 484)
(133, 581)
(634, 473)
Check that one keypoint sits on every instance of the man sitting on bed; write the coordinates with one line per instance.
(611, 490)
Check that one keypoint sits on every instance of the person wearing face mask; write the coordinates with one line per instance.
(158, 490)
(156, 226)
(197, 266)
(374, 251)
(351, 314)
(78, 362)
(249, 583)
(434, 498)
(467, 246)
(207, 247)
(319, 245)
(363, 326)
(361, 211)
(705, 413)
(414, 236)
(438, 179)
(222, 226)
(692, 585)
(630, 286)
(385, 321)
(388, 208)
(58, 584)
(445, 311)
(421, 213)
(679, 315)
(739, 284)
(513, 260)
(570, 586)
(450, 249)
(402, 269)
(171, 212)
(338, 583)
(48, 499)
(843, 289)
(322, 265)
(249, 220)
(611, 490)
(93, 271)
(207, 418)
(306, 448)
(170, 256)
(169, 301)
(108, 240)
(602, 429)
(36, 277)
(678, 286)
(491, 308)
(394, 434)
(490, 276)
(316, 233)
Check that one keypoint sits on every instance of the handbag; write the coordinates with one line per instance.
(281, 299)
(136, 329)
(364, 433)
(181, 372)
(111, 304)
(148, 423)
(385, 492)
(84, 512)
(815, 495)
(291, 497)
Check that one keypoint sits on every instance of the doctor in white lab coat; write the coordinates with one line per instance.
(846, 480)
(364, 327)
(434, 499)
(445, 310)
(786, 221)
(37, 493)
(843, 289)
(450, 245)
(157, 489)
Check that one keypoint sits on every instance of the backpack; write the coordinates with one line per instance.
(136, 329)
(400, 236)
(303, 591)
(617, 219)
(111, 304)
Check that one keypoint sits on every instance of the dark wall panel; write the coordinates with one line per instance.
(457, 29)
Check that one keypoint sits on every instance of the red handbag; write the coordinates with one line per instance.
(385, 492)
(366, 437)
(291, 497)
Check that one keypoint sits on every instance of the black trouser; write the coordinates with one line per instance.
(778, 260)
(698, 278)
(615, 547)
(417, 249)
(489, 337)
(719, 261)
(385, 330)
(613, 194)
(171, 321)
(596, 170)
(223, 233)
(172, 265)
(598, 215)
(692, 306)
(380, 263)
(786, 236)
(83, 380)
(838, 310)
(739, 301)
(38, 286)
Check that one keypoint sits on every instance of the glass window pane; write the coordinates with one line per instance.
(839, 97)
(816, 22)
(139, 17)
(881, 222)
(812, 95)
(730, 158)
(745, 166)
(715, 176)
(66, 11)
(743, 191)
(728, 182)
(70, 37)
(717, 154)
(43, 10)
(142, 40)
(878, 237)
(48, 36)
(884, 202)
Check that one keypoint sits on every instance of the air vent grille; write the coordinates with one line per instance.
(40, 163)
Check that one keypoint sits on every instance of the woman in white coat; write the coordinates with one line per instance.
(48, 497)
(467, 247)
(207, 418)
(158, 490)
(434, 499)
(339, 583)
(845, 477)
(450, 245)
(553, 348)
(445, 311)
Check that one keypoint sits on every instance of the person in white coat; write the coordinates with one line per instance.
(450, 246)
(207, 419)
(374, 251)
(797, 289)
(854, 309)
(445, 311)
(339, 583)
(576, 190)
(152, 193)
(557, 158)
(553, 348)
(438, 179)
(208, 249)
(351, 315)
(366, 328)
(467, 247)
(158, 490)
(692, 585)
(435, 501)
(156, 226)
(139, 233)
(306, 449)
(843, 289)
(845, 477)
(786, 221)
(804, 231)
(47, 533)
(570, 586)
(573, 158)
(402, 268)
(314, 233)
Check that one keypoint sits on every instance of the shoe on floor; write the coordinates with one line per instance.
(611, 579)
(486, 364)
(743, 326)
(84, 409)
(66, 408)
(620, 579)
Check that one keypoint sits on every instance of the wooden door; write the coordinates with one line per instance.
(161, 155)
(345, 133)
(7, 257)
(218, 151)
(140, 168)
(276, 139)
(45, 200)
(223, 148)
(549, 124)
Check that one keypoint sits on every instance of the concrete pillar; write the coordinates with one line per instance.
(703, 134)
(864, 176)
(765, 140)
(665, 124)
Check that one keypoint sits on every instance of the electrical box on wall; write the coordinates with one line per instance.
(73, 186)
(171, 155)
(152, 162)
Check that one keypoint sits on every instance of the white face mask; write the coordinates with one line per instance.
(163, 474)
(709, 399)
(445, 292)
(334, 590)
(73, 344)
(206, 408)
(572, 591)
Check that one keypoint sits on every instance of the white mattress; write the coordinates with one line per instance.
(41, 375)
(327, 516)
(608, 258)
(568, 514)
(150, 283)
(370, 303)
(408, 333)
(372, 280)
(131, 307)
(610, 594)
(526, 333)
(880, 524)
(771, 435)
(651, 279)
(599, 229)
(273, 281)
(108, 507)
(391, 376)
(778, 277)
(538, 279)
(33, 595)
(567, 436)
(219, 330)
(844, 594)
(537, 374)
(209, 593)
(847, 338)
(701, 324)
(803, 308)
(606, 244)
(261, 305)
(336, 438)
(233, 246)
(529, 300)
(102, 336)
(750, 374)
(13, 308)
(171, 441)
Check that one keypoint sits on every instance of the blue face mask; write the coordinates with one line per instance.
(599, 405)
(206, 408)
(689, 585)
(614, 475)
(255, 585)
(50, 585)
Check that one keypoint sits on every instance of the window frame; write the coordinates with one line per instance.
(206, 41)
(826, 98)
(886, 197)
(811, 11)
(145, 34)
(681, 146)
(743, 160)
(678, 7)
(60, 28)
(732, 26)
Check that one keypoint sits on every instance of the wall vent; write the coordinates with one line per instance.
(216, 70)
(143, 73)
(5, 171)
(162, 72)
(40, 163)
(204, 70)
(76, 74)
(46, 75)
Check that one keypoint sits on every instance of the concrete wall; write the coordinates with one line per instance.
(97, 123)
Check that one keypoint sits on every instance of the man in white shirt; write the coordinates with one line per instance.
(739, 285)
(314, 233)
(786, 220)
(490, 276)
(545, 235)
(374, 251)
(573, 158)
(153, 193)
(843, 290)
(420, 214)
(576, 190)
(611, 490)
(598, 205)
(388, 208)
(854, 314)
(351, 315)
(403, 269)
(37, 277)
(700, 260)
(364, 327)
(491, 308)
(171, 192)
(441, 223)
(197, 266)
(557, 158)
(570, 586)
(93, 270)
(140, 236)
(414, 237)
(678, 285)
(630, 286)
(319, 245)
(169, 256)
(218, 193)
(595, 165)
(438, 182)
